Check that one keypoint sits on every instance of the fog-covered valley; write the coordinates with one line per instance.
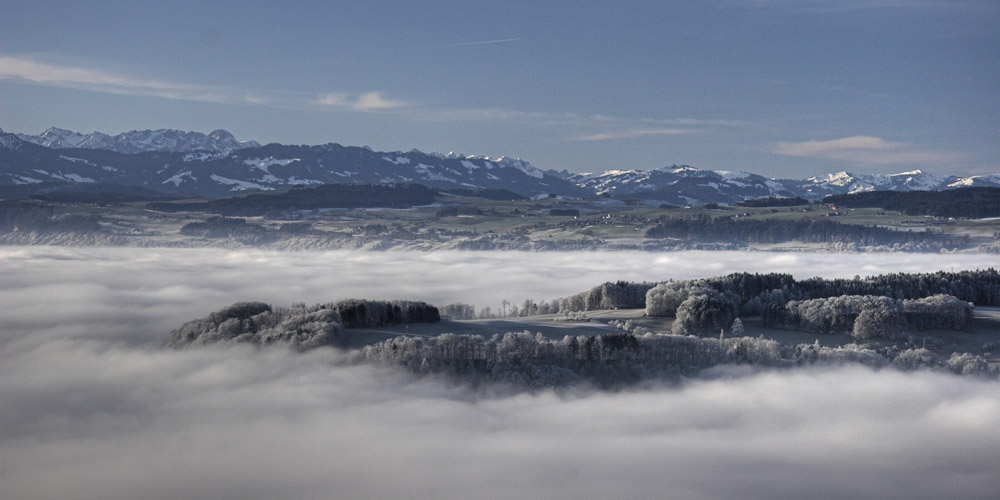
(94, 406)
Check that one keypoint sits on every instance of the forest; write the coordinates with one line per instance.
(298, 326)
(619, 359)
(31, 215)
(973, 202)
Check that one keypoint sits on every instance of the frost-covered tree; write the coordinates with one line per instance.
(459, 311)
(737, 327)
(706, 312)
(665, 298)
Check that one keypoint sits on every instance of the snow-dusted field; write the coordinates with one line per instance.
(91, 406)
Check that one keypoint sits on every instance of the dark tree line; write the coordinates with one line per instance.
(488, 194)
(974, 202)
(564, 212)
(456, 210)
(815, 230)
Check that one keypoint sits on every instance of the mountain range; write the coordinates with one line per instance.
(176, 163)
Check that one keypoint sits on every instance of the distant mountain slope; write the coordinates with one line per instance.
(178, 163)
(29, 168)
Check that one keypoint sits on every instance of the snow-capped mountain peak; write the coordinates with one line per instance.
(136, 141)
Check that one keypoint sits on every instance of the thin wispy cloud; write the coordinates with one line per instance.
(864, 149)
(28, 71)
(18, 69)
(369, 101)
(483, 42)
(631, 134)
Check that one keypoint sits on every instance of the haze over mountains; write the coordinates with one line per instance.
(176, 163)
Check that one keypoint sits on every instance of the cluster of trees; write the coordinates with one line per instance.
(864, 307)
(355, 313)
(564, 212)
(769, 231)
(938, 312)
(756, 290)
(459, 311)
(861, 316)
(30, 215)
(325, 196)
(609, 295)
(456, 210)
(622, 358)
(258, 323)
(974, 202)
(298, 326)
(699, 308)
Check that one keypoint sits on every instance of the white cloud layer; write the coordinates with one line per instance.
(91, 406)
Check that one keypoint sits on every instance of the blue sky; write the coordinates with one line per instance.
(779, 87)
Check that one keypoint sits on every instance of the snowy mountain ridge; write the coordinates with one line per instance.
(139, 141)
(163, 161)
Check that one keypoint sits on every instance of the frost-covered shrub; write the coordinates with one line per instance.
(917, 358)
(969, 364)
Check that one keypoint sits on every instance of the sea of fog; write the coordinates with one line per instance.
(93, 407)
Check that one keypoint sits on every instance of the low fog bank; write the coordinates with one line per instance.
(140, 295)
(109, 421)
(92, 406)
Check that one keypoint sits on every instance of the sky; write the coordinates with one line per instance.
(778, 87)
